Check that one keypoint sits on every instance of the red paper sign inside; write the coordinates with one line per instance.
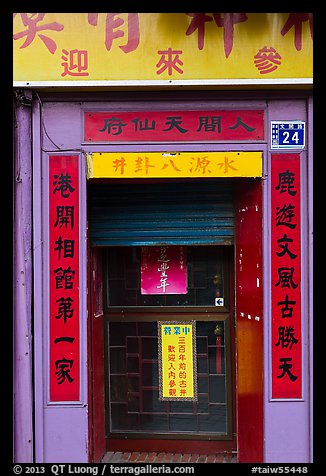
(64, 278)
(163, 270)
(286, 277)
(178, 126)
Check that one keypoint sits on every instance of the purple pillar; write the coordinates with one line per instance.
(287, 424)
(23, 385)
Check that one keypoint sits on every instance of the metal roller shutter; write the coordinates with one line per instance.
(171, 213)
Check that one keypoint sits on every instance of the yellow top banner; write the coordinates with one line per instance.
(174, 164)
(152, 47)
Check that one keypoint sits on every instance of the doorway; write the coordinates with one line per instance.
(135, 408)
(127, 411)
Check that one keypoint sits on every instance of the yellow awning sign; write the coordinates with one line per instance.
(174, 164)
(177, 360)
(96, 48)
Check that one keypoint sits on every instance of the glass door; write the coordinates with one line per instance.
(145, 287)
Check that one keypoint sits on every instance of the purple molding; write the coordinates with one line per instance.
(287, 422)
(310, 226)
(38, 287)
(61, 428)
(23, 384)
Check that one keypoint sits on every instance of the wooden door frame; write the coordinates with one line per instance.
(187, 443)
(249, 319)
(96, 390)
(249, 329)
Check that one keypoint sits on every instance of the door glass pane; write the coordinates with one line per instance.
(205, 278)
(133, 386)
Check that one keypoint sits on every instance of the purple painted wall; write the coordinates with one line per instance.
(23, 384)
(61, 430)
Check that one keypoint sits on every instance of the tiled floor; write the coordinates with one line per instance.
(152, 457)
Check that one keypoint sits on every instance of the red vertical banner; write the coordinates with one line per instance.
(286, 276)
(64, 278)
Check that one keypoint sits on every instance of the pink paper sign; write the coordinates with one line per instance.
(163, 270)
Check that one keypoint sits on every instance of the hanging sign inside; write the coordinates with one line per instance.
(286, 277)
(177, 360)
(163, 270)
(64, 278)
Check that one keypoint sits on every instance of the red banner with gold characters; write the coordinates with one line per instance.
(286, 277)
(64, 277)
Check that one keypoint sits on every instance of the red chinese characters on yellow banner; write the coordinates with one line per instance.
(286, 277)
(186, 46)
(64, 278)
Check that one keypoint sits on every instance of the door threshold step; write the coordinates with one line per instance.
(157, 457)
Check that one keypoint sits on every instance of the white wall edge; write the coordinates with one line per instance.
(168, 82)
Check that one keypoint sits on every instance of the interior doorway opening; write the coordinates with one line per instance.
(127, 412)
(134, 404)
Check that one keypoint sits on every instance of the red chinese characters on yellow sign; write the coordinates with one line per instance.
(115, 46)
(174, 164)
(177, 360)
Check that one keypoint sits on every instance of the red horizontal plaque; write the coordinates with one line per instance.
(165, 126)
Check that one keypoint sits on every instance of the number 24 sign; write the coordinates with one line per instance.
(287, 134)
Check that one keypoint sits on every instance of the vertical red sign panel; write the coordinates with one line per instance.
(64, 278)
(286, 277)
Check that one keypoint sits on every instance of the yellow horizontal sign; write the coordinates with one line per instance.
(85, 47)
(174, 164)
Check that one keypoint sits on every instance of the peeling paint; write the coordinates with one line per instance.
(249, 316)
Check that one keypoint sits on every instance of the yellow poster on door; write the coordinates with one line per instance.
(177, 360)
